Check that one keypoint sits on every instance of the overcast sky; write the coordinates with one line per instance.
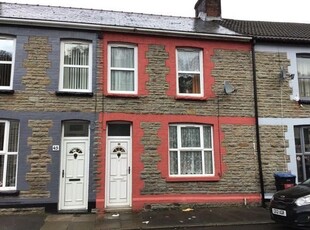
(262, 10)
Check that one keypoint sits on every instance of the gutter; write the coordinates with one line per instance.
(259, 158)
(112, 28)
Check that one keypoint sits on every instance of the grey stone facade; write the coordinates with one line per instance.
(41, 111)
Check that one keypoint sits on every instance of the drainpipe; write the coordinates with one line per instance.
(260, 168)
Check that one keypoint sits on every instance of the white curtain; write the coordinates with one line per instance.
(188, 60)
(76, 65)
(191, 162)
(190, 137)
(192, 157)
(122, 69)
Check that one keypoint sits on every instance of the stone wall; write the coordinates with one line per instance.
(39, 159)
(274, 103)
(240, 157)
(231, 65)
(41, 112)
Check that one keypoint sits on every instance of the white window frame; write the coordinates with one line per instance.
(307, 78)
(89, 66)
(9, 62)
(135, 69)
(201, 94)
(6, 154)
(202, 148)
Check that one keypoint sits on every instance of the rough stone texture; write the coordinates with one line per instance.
(98, 149)
(154, 184)
(274, 102)
(35, 96)
(240, 161)
(274, 157)
(39, 159)
(241, 175)
(231, 65)
(274, 95)
(41, 112)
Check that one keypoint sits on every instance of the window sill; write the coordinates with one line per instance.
(78, 94)
(191, 98)
(193, 179)
(8, 91)
(9, 193)
(122, 95)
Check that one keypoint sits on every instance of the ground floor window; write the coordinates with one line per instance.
(302, 148)
(9, 131)
(191, 150)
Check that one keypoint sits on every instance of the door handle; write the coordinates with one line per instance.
(63, 173)
(129, 170)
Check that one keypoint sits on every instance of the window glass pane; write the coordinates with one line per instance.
(13, 136)
(208, 162)
(188, 60)
(1, 170)
(190, 136)
(122, 57)
(6, 50)
(11, 171)
(75, 78)
(76, 54)
(173, 142)
(189, 83)
(307, 139)
(119, 130)
(122, 80)
(2, 129)
(5, 74)
(297, 139)
(173, 162)
(207, 137)
(307, 167)
(191, 162)
(76, 129)
(303, 69)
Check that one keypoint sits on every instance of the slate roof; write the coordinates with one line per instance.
(101, 19)
(270, 31)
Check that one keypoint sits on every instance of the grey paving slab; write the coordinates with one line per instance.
(21, 222)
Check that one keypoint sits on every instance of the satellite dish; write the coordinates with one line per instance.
(228, 88)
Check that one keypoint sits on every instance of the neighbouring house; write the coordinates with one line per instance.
(49, 107)
(282, 69)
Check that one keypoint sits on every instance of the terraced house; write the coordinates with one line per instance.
(282, 69)
(114, 110)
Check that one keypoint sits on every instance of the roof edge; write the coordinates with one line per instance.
(96, 27)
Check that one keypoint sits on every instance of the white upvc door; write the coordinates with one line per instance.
(118, 174)
(74, 174)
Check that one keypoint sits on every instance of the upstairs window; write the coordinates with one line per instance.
(123, 76)
(7, 51)
(76, 66)
(303, 69)
(191, 150)
(9, 131)
(189, 72)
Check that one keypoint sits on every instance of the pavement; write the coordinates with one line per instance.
(157, 219)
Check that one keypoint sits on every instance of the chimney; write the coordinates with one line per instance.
(208, 10)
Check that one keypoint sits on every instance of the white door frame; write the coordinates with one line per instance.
(61, 203)
(129, 169)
